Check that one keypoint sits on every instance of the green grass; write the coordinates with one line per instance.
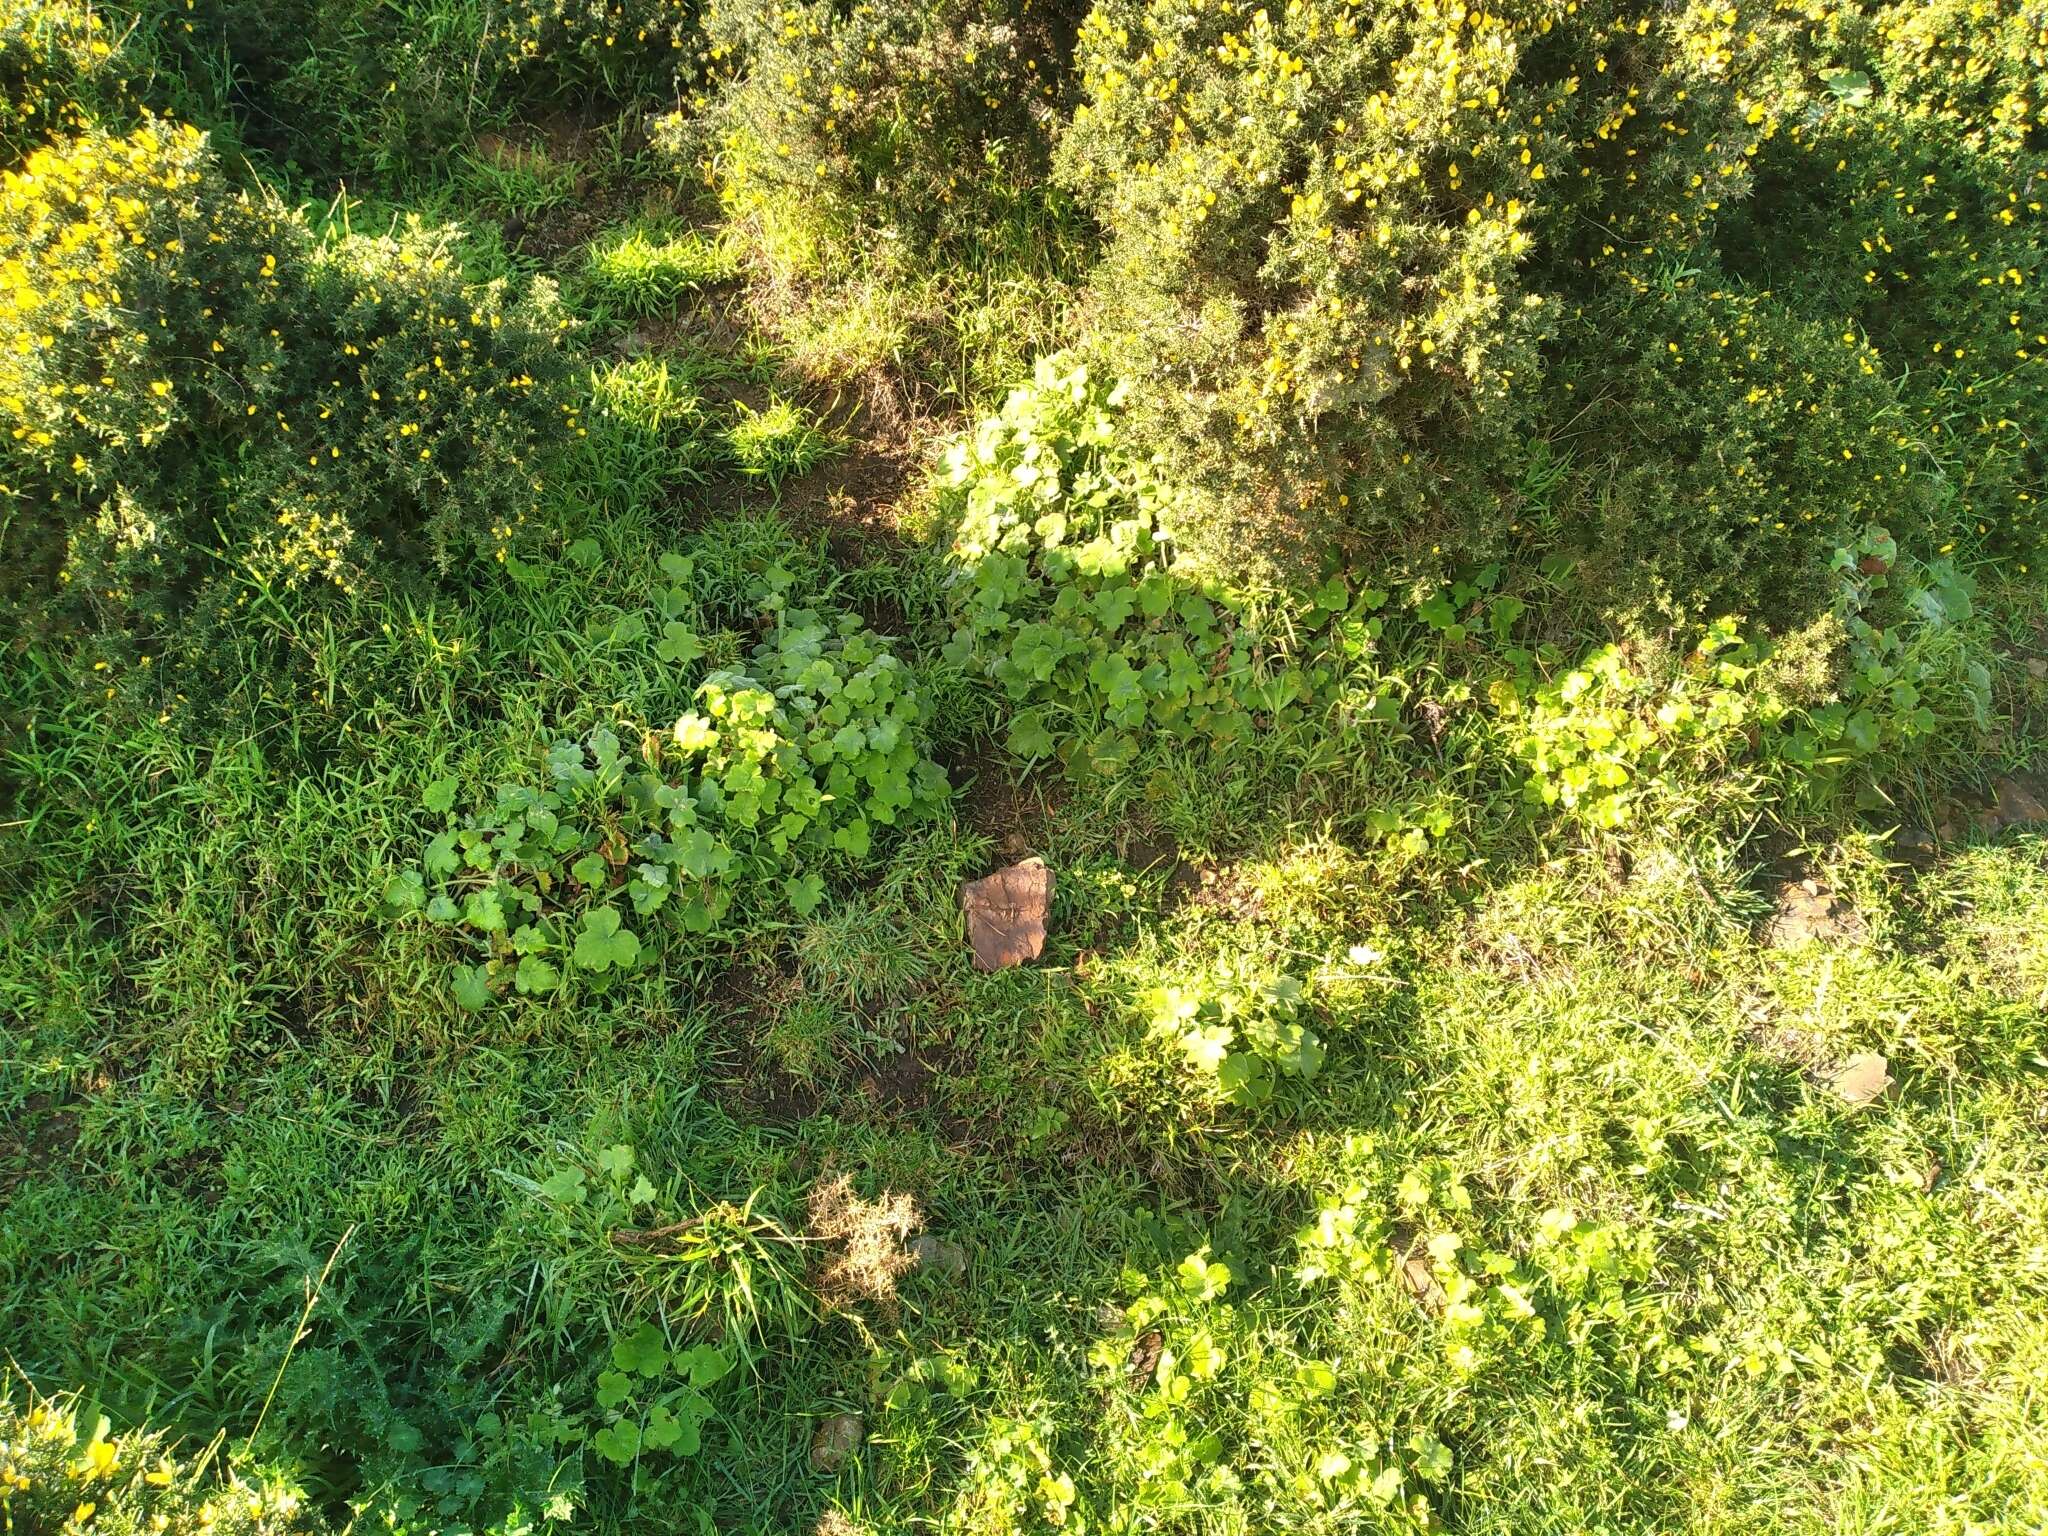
(222, 1058)
(1676, 1283)
(644, 269)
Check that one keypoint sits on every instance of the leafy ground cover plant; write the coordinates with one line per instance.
(1239, 1032)
(781, 774)
(1067, 596)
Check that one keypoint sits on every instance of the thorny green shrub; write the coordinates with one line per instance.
(309, 413)
(780, 774)
(1359, 255)
(1318, 219)
(52, 52)
(932, 117)
(631, 49)
(62, 1475)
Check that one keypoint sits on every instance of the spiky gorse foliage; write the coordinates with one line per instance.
(65, 1475)
(1358, 254)
(195, 385)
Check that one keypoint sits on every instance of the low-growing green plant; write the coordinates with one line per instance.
(644, 269)
(723, 1271)
(776, 442)
(1067, 595)
(1913, 692)
(1599, 735)
(780, 774)
(652, 1399)
(1238, 1031)
(519, 181)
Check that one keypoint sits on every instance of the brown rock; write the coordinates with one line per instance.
(2017, 803)
(1808, 911)
(934, 1255)
(1419, 1275)
(1006, 914)
(1862, 1079)
(1144, 1357)
(837, 1442)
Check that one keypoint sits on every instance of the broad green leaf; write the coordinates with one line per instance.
(679, 644)
(471, 991)
(536, 975)
(565, 1186)
(642, 1351)
(618, 1443)
(439, 796)
(703, 1364)
(405, 891)
(603, 943)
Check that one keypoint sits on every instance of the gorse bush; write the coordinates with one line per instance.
(52, 52)
(302, 412)
(1358, 256)
(61, 1475)
(928, 115)
(629, 48)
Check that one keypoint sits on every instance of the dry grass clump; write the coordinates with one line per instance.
(870, 1241)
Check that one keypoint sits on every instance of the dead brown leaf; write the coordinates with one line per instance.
(1006, 914)
(1808, 912)
(1862, 1079)
(1144, 1359)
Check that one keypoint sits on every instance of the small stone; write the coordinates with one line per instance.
(1006, 914)
(1808, 911)
(2017, 804)
(2037, 669)
(936, 1256)
(1419, 1276)
(836, 1442)
(1862, 1079)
